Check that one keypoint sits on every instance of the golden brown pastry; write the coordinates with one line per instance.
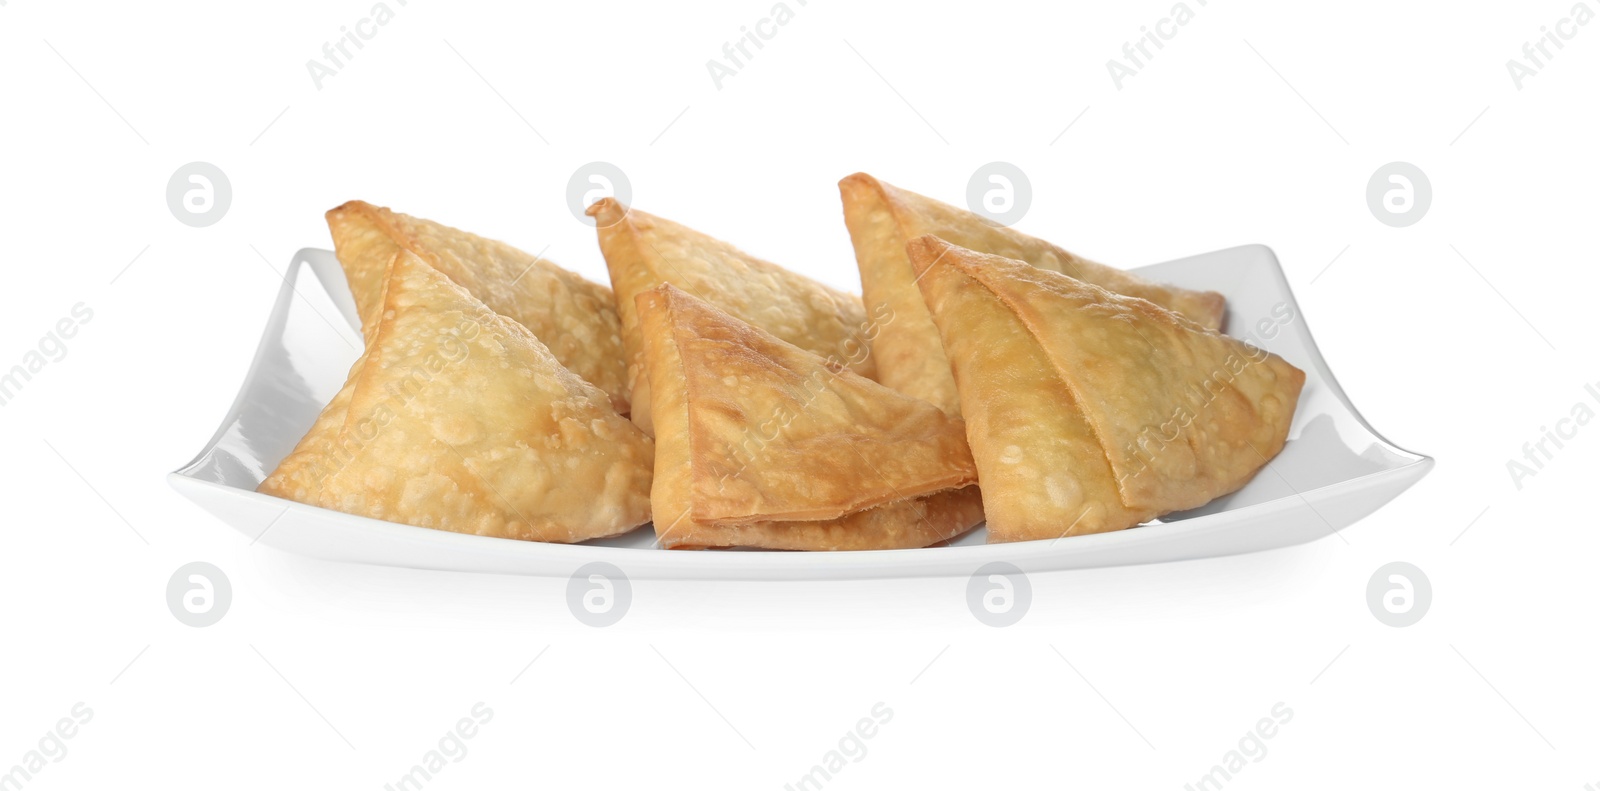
(883, 218)
(457, 418)
(1090, 411)
(643, 251)
(763, 444)
(576, 319)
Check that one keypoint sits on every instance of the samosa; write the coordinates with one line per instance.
(882, 218)
(457, 418)
(1090, 411)
(643, 251)
(575, 319)
(760, 443)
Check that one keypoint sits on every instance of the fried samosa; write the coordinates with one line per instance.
(575, 319)
(643, 251)
(459, 419)
(1090, 411)
(760, 443)
(883, 218)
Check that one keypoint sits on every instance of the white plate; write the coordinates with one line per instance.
(1334, 470)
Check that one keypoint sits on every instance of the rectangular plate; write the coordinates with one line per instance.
(1334, 469)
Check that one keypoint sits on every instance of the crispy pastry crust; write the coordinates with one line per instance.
(882, 219)
(576, 319)
(1088, 410)
(762, 444)
(643, 251)
(459, 419)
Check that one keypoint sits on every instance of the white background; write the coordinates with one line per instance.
(330, 675)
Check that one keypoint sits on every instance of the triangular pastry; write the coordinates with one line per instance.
(643, 251)
(883, 218)
(575, 318)
(763, 444)
(1090, 411)
(457, 418)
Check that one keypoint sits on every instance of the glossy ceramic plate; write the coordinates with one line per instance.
(1334, 470)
